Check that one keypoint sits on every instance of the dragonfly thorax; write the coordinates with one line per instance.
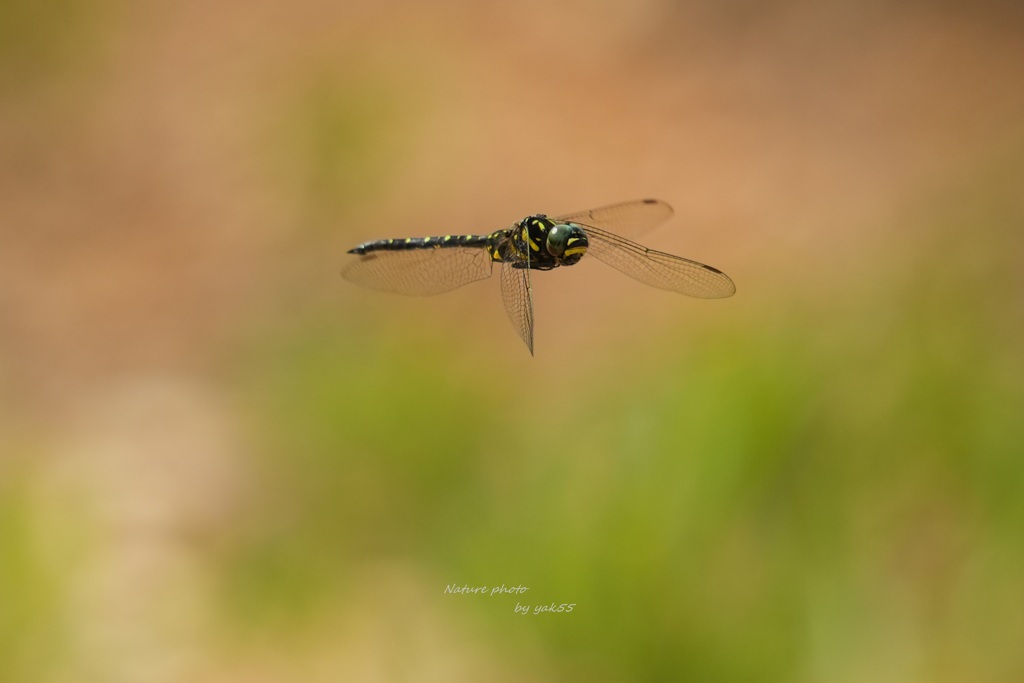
(539, 243)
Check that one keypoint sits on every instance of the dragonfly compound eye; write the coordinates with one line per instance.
(567, 242)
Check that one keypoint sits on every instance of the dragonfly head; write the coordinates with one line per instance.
(567, 242)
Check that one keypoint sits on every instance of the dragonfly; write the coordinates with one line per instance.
(421, 266)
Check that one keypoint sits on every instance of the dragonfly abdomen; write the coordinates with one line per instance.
(439, 242)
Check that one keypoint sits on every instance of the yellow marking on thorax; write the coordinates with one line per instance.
(529, 240)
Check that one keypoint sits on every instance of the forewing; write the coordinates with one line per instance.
(630, 219)
(419, 272)
(517, 295)
(658, 269)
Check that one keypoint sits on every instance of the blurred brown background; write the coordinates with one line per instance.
(222, 462)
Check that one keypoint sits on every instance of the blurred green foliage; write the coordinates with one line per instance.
(340, 137)
(353, 453)
(41, 40)
(32, 585)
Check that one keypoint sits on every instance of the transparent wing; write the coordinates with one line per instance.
(517, 295)
(658, 269)
(631, 219)
(419, 272)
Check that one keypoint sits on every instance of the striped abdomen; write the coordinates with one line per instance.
(403, 244)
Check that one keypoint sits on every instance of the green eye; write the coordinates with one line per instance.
(558, 237)
(567, 242)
